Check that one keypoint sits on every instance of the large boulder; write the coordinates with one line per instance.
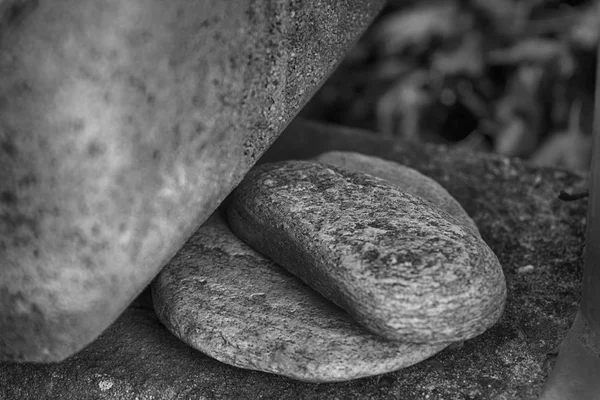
(123, 125)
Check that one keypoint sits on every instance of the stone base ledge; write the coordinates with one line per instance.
(537, 238)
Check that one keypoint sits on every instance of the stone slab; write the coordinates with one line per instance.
(519, 216)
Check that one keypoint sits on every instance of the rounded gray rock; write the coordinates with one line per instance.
(405, 178)
(395, 262)
(225, 299)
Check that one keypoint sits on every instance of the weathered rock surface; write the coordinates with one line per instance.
(225, 299)
(516, 208)
(394, 261)
(123, 125)
(405, 178)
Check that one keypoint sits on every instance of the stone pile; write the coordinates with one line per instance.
(538, 240)
(410, 274)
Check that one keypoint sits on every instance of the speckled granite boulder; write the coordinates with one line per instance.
(395, 262)
(225, 299)
(405, 178)
(123, 125)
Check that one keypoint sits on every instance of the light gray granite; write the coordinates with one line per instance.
(123, 126)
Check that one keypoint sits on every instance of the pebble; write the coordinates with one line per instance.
(225, 299)
(525, 269)
(396, 263)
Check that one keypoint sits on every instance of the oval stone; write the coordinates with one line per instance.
(400, 266)
(225, 299)
(405, 178)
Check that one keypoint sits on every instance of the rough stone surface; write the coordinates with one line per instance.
(399, 265)
(123, 125)
(406, 179)
(227, 300)
(516, 208)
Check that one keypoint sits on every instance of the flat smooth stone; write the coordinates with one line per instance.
(405, 178)
(225, 299)
(394, 261)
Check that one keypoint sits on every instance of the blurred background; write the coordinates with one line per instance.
(504, 76)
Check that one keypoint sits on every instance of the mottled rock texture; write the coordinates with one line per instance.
(227, 300)
(400, 266)
(516, 208)
(123, 125)
(406, 179)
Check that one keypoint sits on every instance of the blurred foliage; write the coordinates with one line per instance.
(507, 76)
